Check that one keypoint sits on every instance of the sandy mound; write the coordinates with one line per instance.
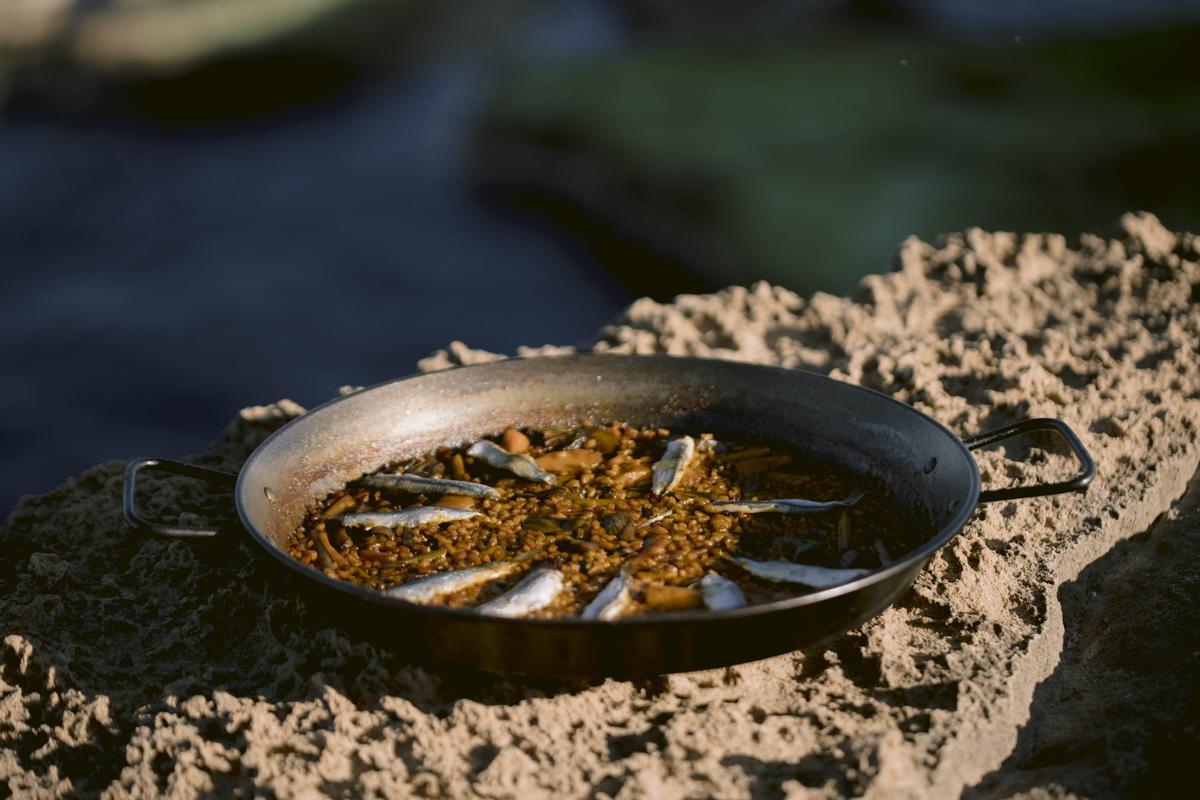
(134, 665)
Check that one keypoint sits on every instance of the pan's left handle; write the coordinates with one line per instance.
(219, 477)
(1087, 467)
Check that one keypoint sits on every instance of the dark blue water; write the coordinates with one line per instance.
(155, 280)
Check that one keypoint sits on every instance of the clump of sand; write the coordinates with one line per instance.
(135, 665)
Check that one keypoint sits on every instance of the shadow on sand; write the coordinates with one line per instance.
(1118, 716)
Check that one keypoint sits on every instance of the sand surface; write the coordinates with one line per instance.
(1046, 651)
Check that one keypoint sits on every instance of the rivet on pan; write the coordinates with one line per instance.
(931, 465)
(270, 495)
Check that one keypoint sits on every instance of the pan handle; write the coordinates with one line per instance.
(1076, 484)
(219, 477)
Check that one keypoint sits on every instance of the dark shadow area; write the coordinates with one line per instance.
(1118, 718)
(635, 265)
(811, 770)
(241, 88)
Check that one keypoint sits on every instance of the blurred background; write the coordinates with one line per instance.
(212, 203)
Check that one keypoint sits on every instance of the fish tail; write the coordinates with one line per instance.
(853, 498)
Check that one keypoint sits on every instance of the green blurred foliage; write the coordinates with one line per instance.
(806, 158)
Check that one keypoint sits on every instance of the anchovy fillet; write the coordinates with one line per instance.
(668, 471)
(536, 590)
(783, 506)
(720, 593)
(520, 465)
(431, 587)
(409, 517)
(418, 484)
(788, 572)
(612, 600)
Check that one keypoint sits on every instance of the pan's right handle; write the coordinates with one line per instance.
(1078, 483)
(219, 477)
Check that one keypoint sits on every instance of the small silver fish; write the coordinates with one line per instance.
(782, 506)
(788, 572)
(431, 587)
(656, 518)
(536, 590)
(720, 593)
(612, 600)
(520, 465)
(418, 484)
(408, 517)
(668, 471)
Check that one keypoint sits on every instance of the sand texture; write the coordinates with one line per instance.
(135, 666)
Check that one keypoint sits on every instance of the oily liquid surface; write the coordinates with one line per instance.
(601, 517)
